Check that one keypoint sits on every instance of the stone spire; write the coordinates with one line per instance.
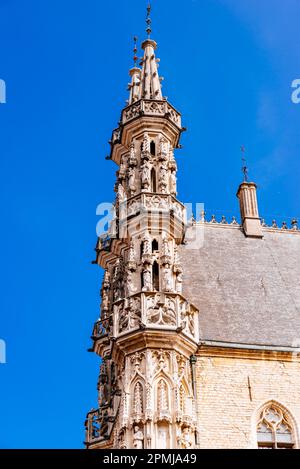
(145, 82)
(150, 82)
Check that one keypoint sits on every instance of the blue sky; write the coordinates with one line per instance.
(228, 67)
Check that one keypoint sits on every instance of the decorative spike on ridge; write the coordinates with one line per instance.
(135, 74)
(135, 57)
(244, 167)
(148, 20)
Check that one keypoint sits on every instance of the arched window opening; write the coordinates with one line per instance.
(153, 180)
(142, 248)
(154, 245)
(142, 281)
(274, 429)
(155, 276)
(152, 148)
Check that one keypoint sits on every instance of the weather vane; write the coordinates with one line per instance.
(148, 20)
(135, 50)
(244, 167)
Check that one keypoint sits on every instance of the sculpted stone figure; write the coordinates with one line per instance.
(145, 175)
(147, 278)
(131, 179)
(147, 245)
(173, 183)
(138, 438)
(185, 440)
(167, 278)
(179, 282)
(131, 288)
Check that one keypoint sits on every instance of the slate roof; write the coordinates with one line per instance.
(247, 290)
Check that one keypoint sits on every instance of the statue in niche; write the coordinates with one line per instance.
(105, 300)
(131, 254)
(147, 279)
(104, 424)
(103, 387)
(179, 282)
(162, 437)
(164, 147)
(167, 278)
(121, 193)
(145, 168)
(147, 245)
(106, 279)
(121, 439)
(185, 439)
(131, 179)
(166, 248)
(138, 438)
(173, 183)
(117, 291)
(131, 288)
(163, 174)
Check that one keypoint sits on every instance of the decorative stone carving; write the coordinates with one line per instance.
(163, 149)
(147, 279)
(138, 438)
(163, 314)
(185, 440)
(132, 111)
(105, 303)
(131, 180)
(121, 194)
(130, 317)
(106, 279)
(138, 405)
(123, 167)
(146, 147)
(167, 278)
(153, 107)
(187, 318)
(179, 282)
(173, 183)
(156, 202)
(163, 412)
(145, 169)
(163, 178)
(103, 386)
(131, 264)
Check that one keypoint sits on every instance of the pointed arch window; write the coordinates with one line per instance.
(154, 245)
(155, 276)
(274, 429)
(152, 148)
(153, 180)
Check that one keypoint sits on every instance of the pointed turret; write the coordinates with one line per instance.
(150, 83)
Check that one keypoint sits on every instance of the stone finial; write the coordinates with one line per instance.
(249, 209)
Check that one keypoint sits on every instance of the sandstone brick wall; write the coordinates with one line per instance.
(225, 411)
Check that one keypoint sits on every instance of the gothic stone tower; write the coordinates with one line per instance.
(147, 333)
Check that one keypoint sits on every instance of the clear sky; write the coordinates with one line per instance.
(228, 67)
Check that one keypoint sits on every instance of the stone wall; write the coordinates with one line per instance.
(226, 413)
